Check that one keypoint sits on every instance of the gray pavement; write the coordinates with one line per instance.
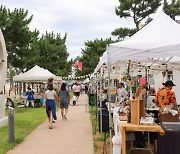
(71, 136)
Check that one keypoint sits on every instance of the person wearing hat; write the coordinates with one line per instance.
(165, 95)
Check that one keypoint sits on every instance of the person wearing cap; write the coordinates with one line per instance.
(165, 95)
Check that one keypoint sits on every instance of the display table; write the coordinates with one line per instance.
(134, 127)
(170, 142)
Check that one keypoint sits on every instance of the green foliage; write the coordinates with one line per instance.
(123, 32)
(51, 53)
(25, 48)
(91, 54)
(137, 9)
(172, 9)
(18, 36)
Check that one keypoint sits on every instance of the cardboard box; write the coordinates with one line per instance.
(137, 110)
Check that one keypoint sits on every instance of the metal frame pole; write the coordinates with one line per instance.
(100, 99)
(109, 99)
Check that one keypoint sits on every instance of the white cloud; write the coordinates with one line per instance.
(82, 19)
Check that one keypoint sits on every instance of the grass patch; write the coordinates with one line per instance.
(25, 122)
(98, 138)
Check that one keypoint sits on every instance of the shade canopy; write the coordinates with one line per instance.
(159, 38)
(34, 74)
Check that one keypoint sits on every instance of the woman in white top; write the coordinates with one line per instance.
(76, 88)
(121, 92)
(50, 97)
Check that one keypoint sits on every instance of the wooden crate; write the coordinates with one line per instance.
(137, 110)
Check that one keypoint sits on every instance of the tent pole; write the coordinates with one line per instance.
(100, 98)
(146, 77)
(109, 99)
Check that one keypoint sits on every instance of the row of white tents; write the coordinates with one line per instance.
(156, 47)
(158, 39)
(36, 74)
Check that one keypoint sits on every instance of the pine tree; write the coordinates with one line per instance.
(51, 53)
(14, 25)
(172, 9)
(123, 32)
(137, 9)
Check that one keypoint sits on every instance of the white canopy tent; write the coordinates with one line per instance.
(149, 47)
(34, 74)
(155, 45)
(159, 38)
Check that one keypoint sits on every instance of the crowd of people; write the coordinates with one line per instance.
(59, 94)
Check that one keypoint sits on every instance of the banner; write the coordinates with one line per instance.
(78, 65)
(77, 77)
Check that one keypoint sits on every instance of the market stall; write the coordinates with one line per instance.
(152, 53)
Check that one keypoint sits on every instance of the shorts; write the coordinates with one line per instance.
(76, 93)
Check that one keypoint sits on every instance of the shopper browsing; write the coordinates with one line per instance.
(121, 92)
(50, 97)
(64, 100)
(165, 95)
(30, 96)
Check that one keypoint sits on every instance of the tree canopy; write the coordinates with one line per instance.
(172, 9)
(123, 32)
(51, 53)
(18, 36)
(91, 54)
(137, 9)
(26, 48)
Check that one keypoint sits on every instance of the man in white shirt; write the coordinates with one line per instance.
(121, 92)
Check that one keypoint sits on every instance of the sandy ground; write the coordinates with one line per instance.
(71, 136)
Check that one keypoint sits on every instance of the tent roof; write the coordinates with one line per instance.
(159, 38)
(34, 74)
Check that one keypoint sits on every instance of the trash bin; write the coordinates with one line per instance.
(105, 120)
(92, 99)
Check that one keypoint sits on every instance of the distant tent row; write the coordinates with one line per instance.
(35, 74)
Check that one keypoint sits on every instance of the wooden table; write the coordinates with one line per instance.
(134, 127)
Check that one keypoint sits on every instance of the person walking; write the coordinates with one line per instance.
(64, 100)
(50, 97)
(51, 80)
(76, 89)
(30, 97)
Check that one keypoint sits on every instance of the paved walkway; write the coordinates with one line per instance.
(71, 136)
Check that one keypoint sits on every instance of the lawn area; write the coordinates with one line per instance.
(98, 138)
(25, 121)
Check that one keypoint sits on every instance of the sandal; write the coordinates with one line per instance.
(50, 126)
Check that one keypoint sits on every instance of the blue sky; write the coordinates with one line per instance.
(82, 20)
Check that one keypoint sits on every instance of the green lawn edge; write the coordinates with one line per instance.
(25, 121)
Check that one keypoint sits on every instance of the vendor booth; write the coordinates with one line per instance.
(151, 56)
(34, 74)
